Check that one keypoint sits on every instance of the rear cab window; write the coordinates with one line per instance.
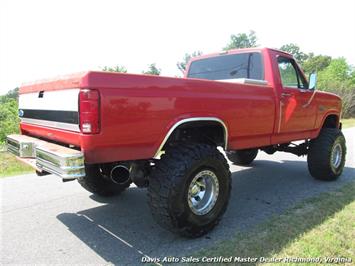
(230, 66)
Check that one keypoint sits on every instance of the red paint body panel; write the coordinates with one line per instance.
(137, 111)
(57, 83)
(54, 134)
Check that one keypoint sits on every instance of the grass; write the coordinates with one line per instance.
(323, 226)
(349, 122)
(10, 166)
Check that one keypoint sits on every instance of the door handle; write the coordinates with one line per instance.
(286, 94)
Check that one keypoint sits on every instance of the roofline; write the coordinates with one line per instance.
(234, 51)
(237, 51)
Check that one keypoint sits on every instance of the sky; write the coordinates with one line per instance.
(40, 39)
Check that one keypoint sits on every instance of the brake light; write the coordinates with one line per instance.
(89, 111)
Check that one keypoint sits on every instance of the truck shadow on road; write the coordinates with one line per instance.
(122, 230)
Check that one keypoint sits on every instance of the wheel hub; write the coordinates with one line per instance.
(195, 190)
(203, 192)
(336, 156)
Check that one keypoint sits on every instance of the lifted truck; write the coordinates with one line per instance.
(108, 130)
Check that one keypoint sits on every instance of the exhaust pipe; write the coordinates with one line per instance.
(120, 174)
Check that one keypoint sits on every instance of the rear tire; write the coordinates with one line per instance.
(95, 182)
(242, 157)
(326, 156)
(189, 189)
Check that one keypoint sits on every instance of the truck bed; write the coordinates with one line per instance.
(137, 111)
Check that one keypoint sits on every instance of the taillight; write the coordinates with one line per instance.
(89, 111)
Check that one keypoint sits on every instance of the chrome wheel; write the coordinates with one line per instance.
(203, 192)
(336, 156)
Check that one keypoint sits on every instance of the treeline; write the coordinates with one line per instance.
(334, 75)
(152, 69)
(8, 114)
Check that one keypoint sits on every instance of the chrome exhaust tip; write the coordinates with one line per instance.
(120, 174)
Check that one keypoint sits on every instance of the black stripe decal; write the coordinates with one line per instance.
(70, 117)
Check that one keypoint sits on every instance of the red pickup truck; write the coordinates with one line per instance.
(108, 130)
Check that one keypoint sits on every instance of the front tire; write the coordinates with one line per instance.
(242, 157)
(95, 182)
(189, 189)
(326, 156)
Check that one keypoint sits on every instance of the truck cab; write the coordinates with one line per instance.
(299, 108)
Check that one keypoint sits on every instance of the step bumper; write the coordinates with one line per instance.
(53, 158)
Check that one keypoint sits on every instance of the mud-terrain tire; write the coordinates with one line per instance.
(189, 189)
(97, 184)
(326, 155)
(242, 157)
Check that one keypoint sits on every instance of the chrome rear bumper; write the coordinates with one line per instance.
(22, 145)
(55, 159)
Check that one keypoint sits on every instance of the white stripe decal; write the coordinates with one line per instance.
(63, 100)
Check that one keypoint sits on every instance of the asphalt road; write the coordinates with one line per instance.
(46, 221)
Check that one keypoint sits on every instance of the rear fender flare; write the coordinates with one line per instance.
(191, 120)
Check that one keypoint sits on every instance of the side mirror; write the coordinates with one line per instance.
(312, 81)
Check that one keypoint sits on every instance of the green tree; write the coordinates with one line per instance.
(187, 57)
(316, 63)
(8, 117)
(152, 70)
(295, 50)
(117, 68)
(339, 74)
(12, 94)
(242, 40)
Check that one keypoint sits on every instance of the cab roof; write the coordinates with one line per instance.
(237, 51)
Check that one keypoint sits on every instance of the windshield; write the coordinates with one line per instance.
(234, 66)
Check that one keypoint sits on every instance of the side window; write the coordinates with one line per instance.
(290, 75)
(255, 70)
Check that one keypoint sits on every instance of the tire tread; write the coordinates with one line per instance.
(163, 181)
(318, 158)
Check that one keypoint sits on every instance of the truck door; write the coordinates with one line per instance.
(296, 115)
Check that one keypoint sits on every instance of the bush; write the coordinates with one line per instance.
(348, 99)
(9, 120)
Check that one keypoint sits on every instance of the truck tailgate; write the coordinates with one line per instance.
(57, 109)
